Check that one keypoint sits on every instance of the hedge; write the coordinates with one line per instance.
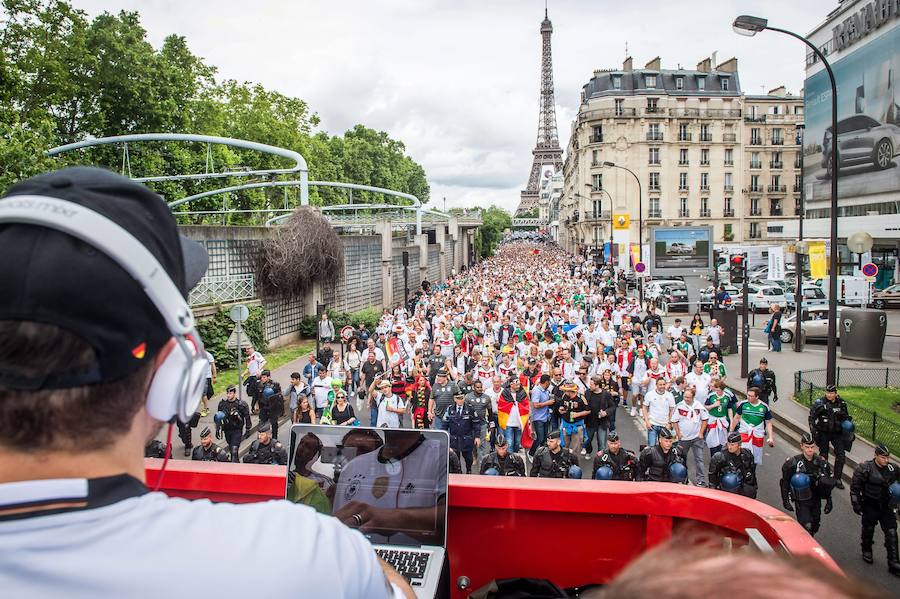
(216, 329)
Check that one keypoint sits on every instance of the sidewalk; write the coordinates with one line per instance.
(282, 374)
(791, 417)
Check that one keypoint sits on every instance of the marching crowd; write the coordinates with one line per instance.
(536, 352)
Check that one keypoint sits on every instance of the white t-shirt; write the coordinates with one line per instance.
(715, 333)
(255, 363)
(379, 355)
(320, 388)
(209, 364)
(118, 550)
(700, 382)
(689, 418)
(385, 418)
(675, 332)
(607, 338)
(658, 405)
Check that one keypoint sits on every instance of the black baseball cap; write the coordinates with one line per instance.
(53, 278)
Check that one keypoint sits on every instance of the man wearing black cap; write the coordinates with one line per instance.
(442, 392)
(871, 499)
(464, 427)
(622, 462)
(734, 459)
(271, 401)
(807, 498)
(763, 379)
(96, 280)
(232, 417)
(506, 463)
(208, 451)
(826, 420)
(655, 462)
(266, 450)
(552, 460)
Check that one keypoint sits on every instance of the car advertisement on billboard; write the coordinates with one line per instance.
(868, 130)
(680, 250)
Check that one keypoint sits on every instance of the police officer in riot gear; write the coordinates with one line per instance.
(208, 451)
(806, 479)
(155, 449)
(266, 450)
(826, 419)
(622, 462)
(655, 463)
(738, 462)
(184, 431)
(763, 379)
(505, 463)
(271, 402)
(552, 460)
(870, 495)
(232, 417)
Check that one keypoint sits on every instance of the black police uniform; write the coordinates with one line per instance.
(764, 380)
(237, 419)
(455, 466)
(155, 449)
(271, 408)
(654, 463)
(184, 431)
(825, 424)
(623, 463)
(741, 463)
(870, 499)
(272, 452)
(511, 465)
(213, 454)
(821, 482)
(547, 464)
(464, 427)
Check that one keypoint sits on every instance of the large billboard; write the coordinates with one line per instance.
(868, 135)
(681, 250)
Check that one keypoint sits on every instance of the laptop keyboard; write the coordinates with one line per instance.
(410, 564)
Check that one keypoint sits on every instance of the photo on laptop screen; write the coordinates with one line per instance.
(391, 484)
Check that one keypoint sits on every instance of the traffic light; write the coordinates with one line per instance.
(736, 270)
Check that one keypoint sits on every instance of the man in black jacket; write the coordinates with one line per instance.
(736, 460)
(464, 426)
(622, 462)
(763, 379)
(826, 419)
(552, 460)
(807, 496)
(504, 462)
(601, 404)
(871, 499)
(655, 463)
(208, 451)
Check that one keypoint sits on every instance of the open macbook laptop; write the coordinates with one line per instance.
(390, 484)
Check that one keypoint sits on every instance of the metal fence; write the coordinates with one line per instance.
(809, 385)
(221, 290)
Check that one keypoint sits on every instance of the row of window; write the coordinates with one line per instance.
(651, 81)
(875, 208)
(776, 183)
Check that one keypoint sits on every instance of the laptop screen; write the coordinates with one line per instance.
(390, 484)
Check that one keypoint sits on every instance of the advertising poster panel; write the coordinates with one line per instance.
(680, 250)
(868, 131)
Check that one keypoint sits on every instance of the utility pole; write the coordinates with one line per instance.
(745, 325)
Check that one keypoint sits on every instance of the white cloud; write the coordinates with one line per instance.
(458, 80)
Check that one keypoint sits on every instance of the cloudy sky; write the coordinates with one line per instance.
(458, 80)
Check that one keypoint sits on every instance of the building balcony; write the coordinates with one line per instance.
(685, 112)
(777, 142)
(604, 113)
(706, 137)
(756, 212)
(683, 162)
(728, 163)
(720, 113)
(755, 141)
(797, 210)
(654, 213)
(624, 112)
(777, 164)
(776, 212)
(777, 188)
(704, 163)
(653, 162)
(755, 165)
(684, 136)
(684, 188)
(755, 189)
(654, 111)
(684, 213)
(591, 216)
(755, 118)
(595, 139)
(705, 213)
(798, 188)
(654, 136)
(798, 162)
(729, 137)
(654, 188)
(755, 234)
(704, 189)
(728, 213)
(728, 188)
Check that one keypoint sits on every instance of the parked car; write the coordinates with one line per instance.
(812, 296)
(708, 296)
(890, 296)
(669, 295)
(763, 297)
(861, 140)
(814, 324)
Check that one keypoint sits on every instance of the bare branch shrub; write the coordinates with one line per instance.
(305, 249)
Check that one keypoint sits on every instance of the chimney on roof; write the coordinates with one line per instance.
(729, 66)
(703, 65)
(653, 65)
(779, 91)
(626, 66)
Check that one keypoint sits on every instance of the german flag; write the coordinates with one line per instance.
(505, 407)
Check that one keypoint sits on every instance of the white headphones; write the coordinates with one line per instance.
(178, 383)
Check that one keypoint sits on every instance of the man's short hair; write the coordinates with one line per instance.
(77, 419)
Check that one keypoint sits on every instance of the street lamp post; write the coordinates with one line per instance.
(608, 195)
(640, 225)
(750, 26)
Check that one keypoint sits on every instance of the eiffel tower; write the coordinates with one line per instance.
(547, 153)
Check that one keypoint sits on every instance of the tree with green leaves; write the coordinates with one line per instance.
(494, 221)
